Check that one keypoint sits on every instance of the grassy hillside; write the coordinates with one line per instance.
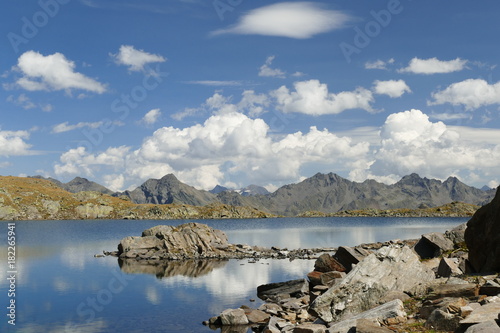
(39, 199)
(454, 209)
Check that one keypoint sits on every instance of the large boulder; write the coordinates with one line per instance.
(282, 290)
(433, 245)
(349, 256)
(186, 241)
(482, 314)
(482, 237)
(326, 263)
(448, 267)
(378, 315)
(456, 235)
(490, 326)
(390, 268)
(232, 317)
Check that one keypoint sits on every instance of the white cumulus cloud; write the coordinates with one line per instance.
(313, 98)
(13, 143)
(471, 93)
(135, 59)
(53, 72)
(391, 88)
(298, 20)
(434, 66)
(410, 142)
(229, 147)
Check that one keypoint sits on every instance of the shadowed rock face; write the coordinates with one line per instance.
(482, 237)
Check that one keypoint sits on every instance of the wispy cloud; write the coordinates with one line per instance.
(66, 127)
(267, 71)
(378, 64)
(216, 83)
(151, 117)
(299, 20)
(135, 59)
(25, 102)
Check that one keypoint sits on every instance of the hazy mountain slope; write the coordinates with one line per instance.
(78, 184)
(330, 193)
(168, 190)
(325, 193)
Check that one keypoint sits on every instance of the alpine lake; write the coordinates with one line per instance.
(59, 286)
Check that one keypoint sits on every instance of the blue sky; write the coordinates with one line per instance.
(240, 92)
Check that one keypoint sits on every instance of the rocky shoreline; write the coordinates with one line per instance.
(383, 287)
(442, 282)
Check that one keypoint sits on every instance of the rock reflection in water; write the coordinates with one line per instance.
(167, 268)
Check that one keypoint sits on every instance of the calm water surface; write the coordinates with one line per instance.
(61, 287)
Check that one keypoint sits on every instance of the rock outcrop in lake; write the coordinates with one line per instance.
(483, 237)
(196, 241)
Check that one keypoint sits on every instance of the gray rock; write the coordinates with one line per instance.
(330, 278)
(448, 267)
(484, 313)
(394, 294)
(453, 290)
(457, 234)
(275, 325)
(282, 290)
(490, 288)
(390, 268)
(52, 207)
(433, 245)
(257, 316)
(186, 241)
(485, 327)
(446, 304)
(349, 256)
(93, 211)
(309, 328)
(483, 237)
(442, 321)
(271, 308)
(8, 213)
(456, 280)
(378, 314)
(135, 243)
(232, 317)
(326, 263)
(368, 326)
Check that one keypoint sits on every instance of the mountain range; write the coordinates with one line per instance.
(326, 193)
